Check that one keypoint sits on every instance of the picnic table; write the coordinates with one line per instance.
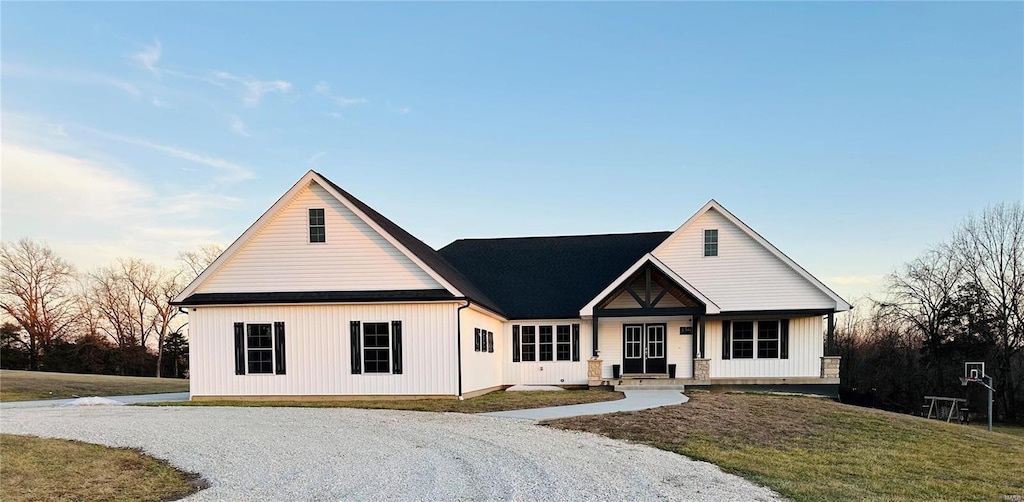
(946, 408)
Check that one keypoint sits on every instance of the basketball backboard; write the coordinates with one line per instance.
(974, 371)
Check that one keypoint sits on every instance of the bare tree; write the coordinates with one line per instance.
(111, 297)
(168, 285)
(991, 245)
(196, 260)
(35, 289)
(923, 293)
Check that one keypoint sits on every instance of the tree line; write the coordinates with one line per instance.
(962, 300)
(116, 319)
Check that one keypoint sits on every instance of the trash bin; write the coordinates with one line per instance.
(671, 371)
(615, 370)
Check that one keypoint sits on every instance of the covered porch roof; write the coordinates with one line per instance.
(649, 287)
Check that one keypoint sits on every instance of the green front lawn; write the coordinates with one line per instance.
(37, 469)
(18, 385)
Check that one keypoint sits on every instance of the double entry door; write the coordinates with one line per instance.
(643, 349)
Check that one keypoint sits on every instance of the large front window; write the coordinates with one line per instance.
(376, 347)
(542, 342)
(756, 339)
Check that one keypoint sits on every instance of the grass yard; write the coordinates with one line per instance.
(40, 469)
(815, 449)
(30, 385)
(494, 401)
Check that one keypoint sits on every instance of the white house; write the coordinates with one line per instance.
(323, 296)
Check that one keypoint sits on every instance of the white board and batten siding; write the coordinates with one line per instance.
(481, 370)
(805, 351)
(280, 258)
(744, 276)
(547, 372)
(318, 350)
(680, 347)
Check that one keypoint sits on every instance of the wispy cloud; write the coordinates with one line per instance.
(253, 89)
(315, 158)
(10, 70)
(324, 89)
(238, 125)
(149, 56)
(229, 171)
(92, 213)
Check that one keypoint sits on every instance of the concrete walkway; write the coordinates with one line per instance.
(141, 398)
(634, 400)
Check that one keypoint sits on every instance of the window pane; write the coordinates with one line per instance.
(767, 349)
(743, 330)
(316, 217)
(259, 336)
(317, 234)
(376, 361)
(743, 349)
(261, 361)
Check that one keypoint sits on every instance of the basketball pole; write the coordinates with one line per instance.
(989, 402)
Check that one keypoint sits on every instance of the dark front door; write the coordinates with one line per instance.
(644, 349)
(633, 348)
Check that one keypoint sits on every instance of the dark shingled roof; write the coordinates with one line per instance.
(422, 251)
(547, 277)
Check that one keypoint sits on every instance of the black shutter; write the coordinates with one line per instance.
(239, 348)
(726, 338)
(476, 340)
(396, 347)
(356, 356)
(784, 339)
(279, 348)
(490, 341)
(515, 343)
(576, 342)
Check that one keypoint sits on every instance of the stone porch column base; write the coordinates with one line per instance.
(830, 366)
(594, 371)
(702, 369)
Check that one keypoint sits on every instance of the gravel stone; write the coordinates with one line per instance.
(351, 454)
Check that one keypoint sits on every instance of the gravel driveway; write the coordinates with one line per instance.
(316, 454)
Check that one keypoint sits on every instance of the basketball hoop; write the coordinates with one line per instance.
(974, 372)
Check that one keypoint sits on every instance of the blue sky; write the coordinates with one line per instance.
(851, 135)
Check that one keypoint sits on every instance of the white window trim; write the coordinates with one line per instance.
(272, 349)
(306, 216)
(757, 338)
(703, 242)
(362, 349)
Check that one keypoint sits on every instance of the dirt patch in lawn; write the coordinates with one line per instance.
(816, 449)
(39, 469)
(495, 401)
